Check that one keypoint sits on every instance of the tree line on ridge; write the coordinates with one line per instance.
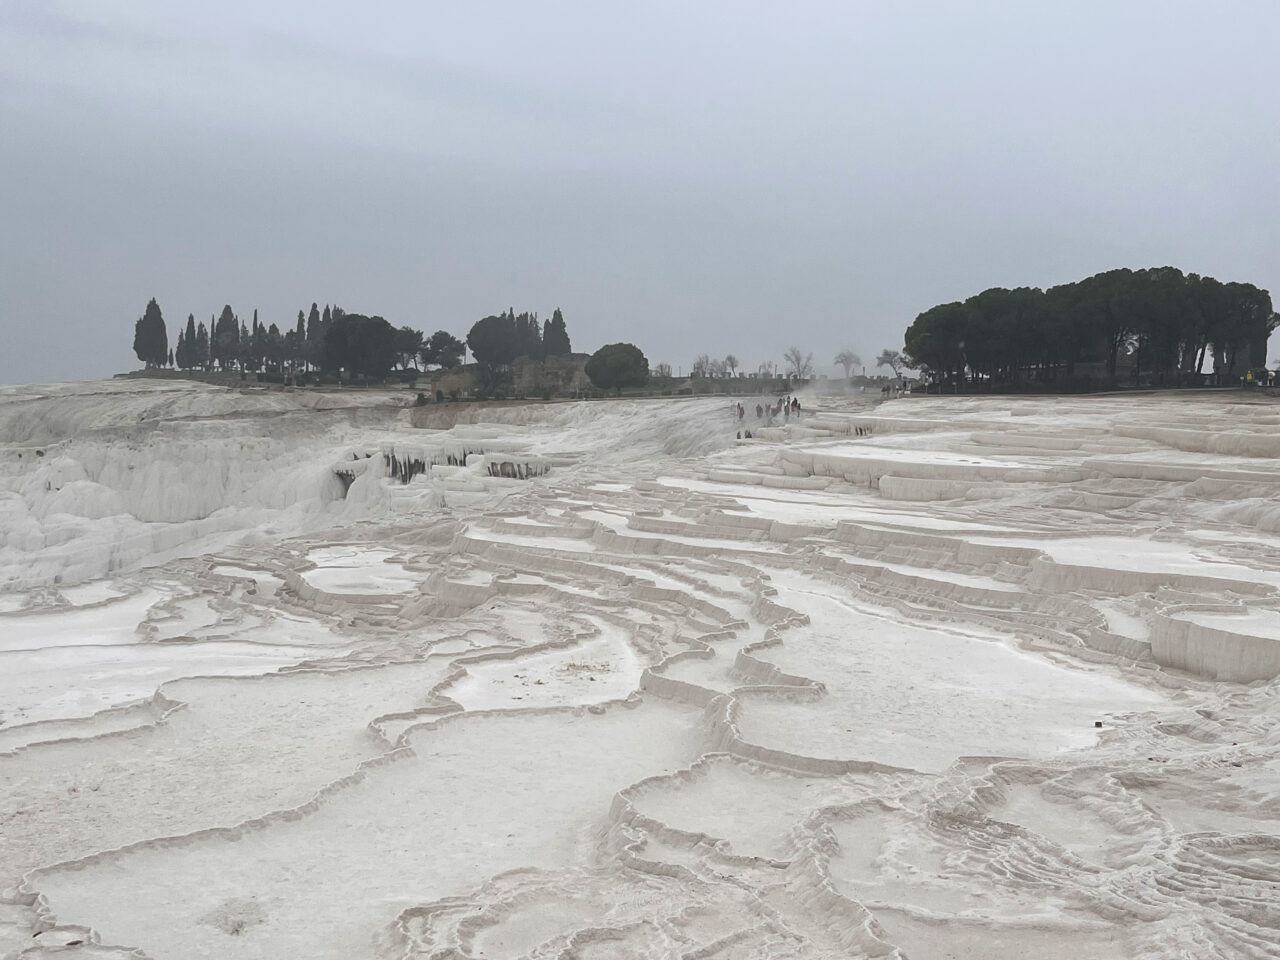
(1159, 323)
(336, 342)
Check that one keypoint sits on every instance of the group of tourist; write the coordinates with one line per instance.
(788, 407)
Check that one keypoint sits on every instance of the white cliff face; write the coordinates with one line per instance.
(100, 478)
(940, 677)
(96, 479)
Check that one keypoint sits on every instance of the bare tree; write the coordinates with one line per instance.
(893, 360)
(799, 365)
(701, 366)
(662, 370)
(848, 359)
(731, 364)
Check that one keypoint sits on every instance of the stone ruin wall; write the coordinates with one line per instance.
(559, 376)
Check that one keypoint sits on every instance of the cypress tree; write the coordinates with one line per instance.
(228, 326)
(529, 337)
(274, 348)
(225, 337)
(259, 345)
(202, 356)
(150, 339)
(555, 338)
(190, 356)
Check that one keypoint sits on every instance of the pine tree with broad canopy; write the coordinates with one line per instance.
(618, 365)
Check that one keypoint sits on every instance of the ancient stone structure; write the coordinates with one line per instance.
(558, 376)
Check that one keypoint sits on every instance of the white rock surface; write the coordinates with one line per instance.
(936, 678)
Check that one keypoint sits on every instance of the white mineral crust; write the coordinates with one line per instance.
(319, 675)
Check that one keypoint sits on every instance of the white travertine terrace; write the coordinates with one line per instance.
(285, 675)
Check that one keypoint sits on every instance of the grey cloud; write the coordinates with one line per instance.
(713, 179)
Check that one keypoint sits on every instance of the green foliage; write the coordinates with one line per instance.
(528, 336)
(273, 349)
(150, 339)
(227, 327)
(352, 344)
(201, 357)
(442, 348)
(254, 347)
(312, 350)
(408, 343)
(494, 341)
(188, 355)
(1161, 322)
(360, 346)
(555, 337)
(225, 338)
(618, 365)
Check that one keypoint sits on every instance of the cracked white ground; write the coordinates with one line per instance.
(937, 678)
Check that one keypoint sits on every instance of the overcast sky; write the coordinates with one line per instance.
(730, 177)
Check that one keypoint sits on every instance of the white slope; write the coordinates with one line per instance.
(934, 678)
